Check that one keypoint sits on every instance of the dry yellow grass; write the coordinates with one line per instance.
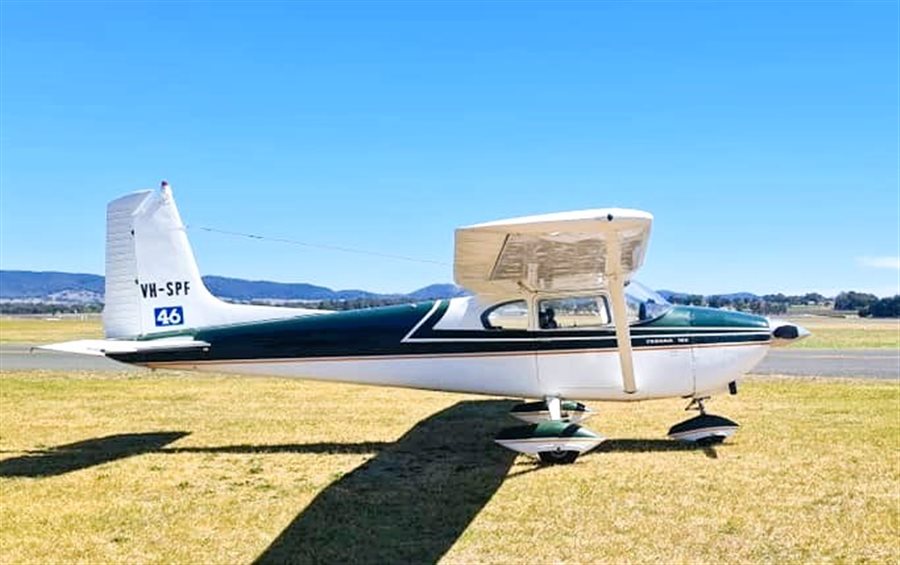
(849, 333)
(45, 330)
(173, 467)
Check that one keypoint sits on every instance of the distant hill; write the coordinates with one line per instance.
(84, 288)
(240, 289)
(434, 291)
(32, 284)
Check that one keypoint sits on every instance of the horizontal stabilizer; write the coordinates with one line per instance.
(101, 347)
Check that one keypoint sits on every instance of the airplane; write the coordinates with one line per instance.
(555, 316)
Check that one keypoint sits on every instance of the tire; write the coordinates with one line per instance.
(710, 440)
(558, 457)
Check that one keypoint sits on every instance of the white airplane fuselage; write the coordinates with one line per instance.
(444, 345)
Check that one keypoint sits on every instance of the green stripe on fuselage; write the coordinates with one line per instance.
(381, 332)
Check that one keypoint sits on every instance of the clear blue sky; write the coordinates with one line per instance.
(763, 136)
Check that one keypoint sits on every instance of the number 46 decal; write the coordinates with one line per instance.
(172, 316)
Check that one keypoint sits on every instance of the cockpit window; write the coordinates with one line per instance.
(644, 304)
(573, 312)
(507, 316)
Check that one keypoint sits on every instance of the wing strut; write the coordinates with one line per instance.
(616, 279)
(623, 335)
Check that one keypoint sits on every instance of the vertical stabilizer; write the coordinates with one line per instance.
(153, 284)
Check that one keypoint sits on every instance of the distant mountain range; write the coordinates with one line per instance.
(30, 284)
(80, 288)
(55, 286)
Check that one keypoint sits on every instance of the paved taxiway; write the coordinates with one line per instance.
(872, 363)
(19, 357)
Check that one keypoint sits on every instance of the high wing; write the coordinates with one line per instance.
(552, 252)
(569, 251)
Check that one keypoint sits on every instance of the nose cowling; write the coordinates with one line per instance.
(785, 333)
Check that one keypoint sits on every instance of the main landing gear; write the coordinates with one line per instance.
(704, 429)
(558, 457)
(553, 434)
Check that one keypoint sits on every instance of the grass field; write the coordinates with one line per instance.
(44, 330)
(849, 333)
(171, 467)
(828, 333)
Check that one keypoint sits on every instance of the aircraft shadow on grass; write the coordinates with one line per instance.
(80, 455)
(84, 454)
(409, 503)
(648, 445)
(412, 501)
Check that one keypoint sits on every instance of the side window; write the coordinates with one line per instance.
(633, 308)
(507, 316)
(573, 312)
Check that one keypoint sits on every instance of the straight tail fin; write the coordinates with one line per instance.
(153, 285)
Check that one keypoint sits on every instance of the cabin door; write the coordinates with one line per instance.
(575, 346)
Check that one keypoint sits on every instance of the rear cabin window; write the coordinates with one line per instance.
(573, 312)
(507, 316)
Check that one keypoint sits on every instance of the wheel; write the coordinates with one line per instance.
(710, 440)
(558, 457)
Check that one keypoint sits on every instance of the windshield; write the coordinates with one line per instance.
(643, 303)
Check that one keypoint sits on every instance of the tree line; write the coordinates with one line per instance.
(868, 305)
(48, 308)
(864, 304)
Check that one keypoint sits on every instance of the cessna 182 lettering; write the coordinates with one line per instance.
(555, 316)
